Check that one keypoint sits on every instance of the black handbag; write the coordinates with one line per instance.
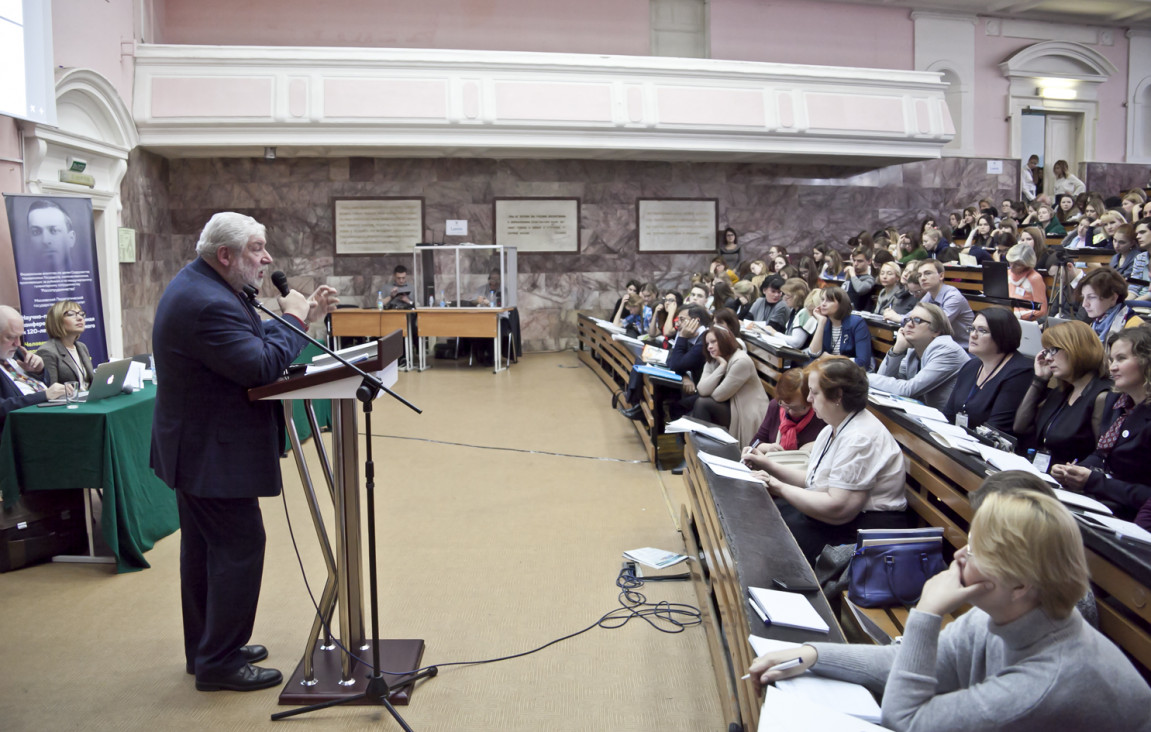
(890, 566)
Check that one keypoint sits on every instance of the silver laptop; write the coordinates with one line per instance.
(1032, 341)
(108, 381)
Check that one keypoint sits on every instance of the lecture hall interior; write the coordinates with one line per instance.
(527, 162)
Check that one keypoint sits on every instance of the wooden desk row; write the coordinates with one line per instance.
(429, 322)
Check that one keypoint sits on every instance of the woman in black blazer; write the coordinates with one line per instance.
(65, 357)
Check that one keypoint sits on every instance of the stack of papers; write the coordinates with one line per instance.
(786, 711)
(1081, 501)
(910, 406)
(767, 645)
(654, 558)
(626, 339)
(1122, 529)
(786, 609)
(728, 468)
(608, 325)
(686, 425)
(842, 696)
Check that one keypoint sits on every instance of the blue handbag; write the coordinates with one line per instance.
(890, 566)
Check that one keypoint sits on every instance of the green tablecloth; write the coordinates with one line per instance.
(322, 407)
(102, 445)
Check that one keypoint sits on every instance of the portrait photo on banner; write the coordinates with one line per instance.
(54, 249)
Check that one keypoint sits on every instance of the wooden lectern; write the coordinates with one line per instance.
(326, 671)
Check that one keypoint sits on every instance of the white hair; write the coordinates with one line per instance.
(227, 229)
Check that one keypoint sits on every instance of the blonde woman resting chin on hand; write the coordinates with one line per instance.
(1022, 659)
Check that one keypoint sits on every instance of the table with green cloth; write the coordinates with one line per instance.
(102, 445)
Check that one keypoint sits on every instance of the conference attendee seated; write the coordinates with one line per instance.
(790, 422)
(771, 308)
(859, 282)
(633, 315)
(893, 295)
(746, 295)
(801, 323)
(1125, 250)
(924, 361)
(1024, 283)
(21, 371)
(1117, 471)
(1022, 658)
(632, 288)
(838, 331)
(935, 292)
(685, 357)
(990, 387)
(855, 476)
(662, 327)
(1103, 292)
(399, 293)
(699, 294)
(65, 358)
(1062, 423)
(1142, 268)
(939, 247)
(730, 392)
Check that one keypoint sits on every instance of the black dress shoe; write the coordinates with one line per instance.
(245, 678)
(678, 470)
(635, 412)
(250, 654)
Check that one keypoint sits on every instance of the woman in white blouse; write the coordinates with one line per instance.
(65, 357)
(855, 476)
(1065, 181)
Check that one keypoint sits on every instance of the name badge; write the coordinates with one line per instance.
(961, 420)
(1042, 461)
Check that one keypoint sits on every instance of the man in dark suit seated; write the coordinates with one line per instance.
(685, 358)
(218, 450)
(21, 371)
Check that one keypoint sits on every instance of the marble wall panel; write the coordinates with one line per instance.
(794, 205)
(1112, 179)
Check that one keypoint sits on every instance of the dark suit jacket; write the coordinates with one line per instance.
(1121, 477)
(210, 347)
(59, 368)
(12, 398)
(686, 358)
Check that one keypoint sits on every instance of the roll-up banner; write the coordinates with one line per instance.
(54, 245)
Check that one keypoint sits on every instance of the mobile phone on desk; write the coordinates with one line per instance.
(794, 585)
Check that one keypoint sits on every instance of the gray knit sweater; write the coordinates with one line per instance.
(1031, 674)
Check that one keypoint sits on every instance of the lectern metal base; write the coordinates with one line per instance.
(395, 655)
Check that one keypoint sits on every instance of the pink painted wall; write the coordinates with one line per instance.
(805, 32)
(588, 26)
(88, 35)
(993, 133)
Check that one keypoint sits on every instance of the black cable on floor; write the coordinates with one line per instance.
(509, 449)
(666, 617)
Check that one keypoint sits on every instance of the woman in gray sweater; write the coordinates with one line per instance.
(1022, 659)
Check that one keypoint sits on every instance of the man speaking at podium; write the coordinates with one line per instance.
(219, 451)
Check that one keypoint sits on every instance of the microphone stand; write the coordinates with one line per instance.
(378, 690)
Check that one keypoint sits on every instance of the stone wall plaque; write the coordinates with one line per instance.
(538, 224)
(378, 225)
(677, 225)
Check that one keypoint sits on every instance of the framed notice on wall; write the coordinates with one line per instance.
(538, 224)
(677, 224)
(378, 225)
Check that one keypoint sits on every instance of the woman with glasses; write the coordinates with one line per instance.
(855, 478)
(1022, 658)
(662, 326)
(924, 360)
(65, 358)
(790, 422)
(1061, 423)
(990, 387)
(1116, 472)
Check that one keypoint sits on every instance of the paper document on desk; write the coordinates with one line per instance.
(1010, 461)
(1122, 529)
(788, 609)
(1081, 501)
(786, 711)
(654, 354)
(735, 474)
(686, 425)
(627, 339)
(842, 696)
(717, 461)
(654, 558)
(767, 645)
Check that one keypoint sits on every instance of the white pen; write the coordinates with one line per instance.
(778, 667)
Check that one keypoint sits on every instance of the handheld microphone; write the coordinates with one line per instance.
(280, 280)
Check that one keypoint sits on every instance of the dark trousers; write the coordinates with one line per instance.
(812, 534)
(709, 410)
(221, 565)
